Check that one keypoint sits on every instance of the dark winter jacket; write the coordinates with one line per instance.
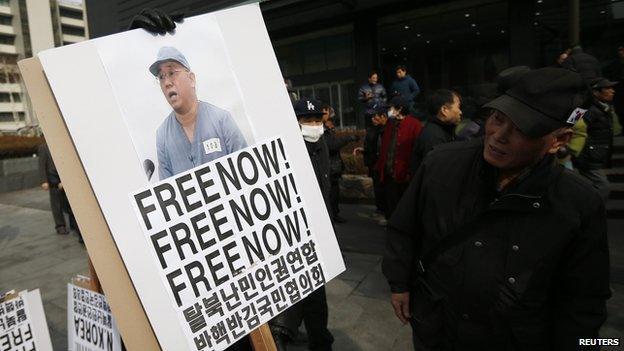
(334, 145)
(47, 169)
(525, 269)
(319, 156)
(405, 87)
(597, 150)
(372, 145)
(434, 133)
(378, 96)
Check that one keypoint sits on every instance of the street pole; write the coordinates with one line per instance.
(574, 22)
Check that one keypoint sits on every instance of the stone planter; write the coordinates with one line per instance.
(19, 173)
(356, 187)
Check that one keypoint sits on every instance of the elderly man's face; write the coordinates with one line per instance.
(178, 86)
(605, 94)
(507, 149)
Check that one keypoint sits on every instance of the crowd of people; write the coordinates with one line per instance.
(496, 225)
(396, 142)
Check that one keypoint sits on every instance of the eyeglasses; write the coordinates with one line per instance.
(168, 75)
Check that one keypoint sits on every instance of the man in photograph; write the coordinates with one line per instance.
(195, 132)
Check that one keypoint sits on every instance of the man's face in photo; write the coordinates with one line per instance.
(178, 85)
(400, 73)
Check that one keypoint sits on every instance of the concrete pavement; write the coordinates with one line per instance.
(33, 256)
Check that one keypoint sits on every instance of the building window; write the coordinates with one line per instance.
(75, 14)
(5, 97)
(7, 21)
(316, 55)
(73, 31)
(337, 95)
(8, 116)
(4, 2)
(7, 40)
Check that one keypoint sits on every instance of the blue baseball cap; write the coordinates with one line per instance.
(167, 54)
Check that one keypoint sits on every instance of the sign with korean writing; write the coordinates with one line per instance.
(22, 323)
(199, 166)
(90, 322)
(232, 241)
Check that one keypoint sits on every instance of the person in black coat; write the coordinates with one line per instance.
(51, 181)
(596, 153)
(494, 246)
(312, 310)
(371, 150)
(583, 63)
(335, 143)
(615, 72)
(444, 108)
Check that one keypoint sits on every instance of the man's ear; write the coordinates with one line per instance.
(560, 137)
(192, 76)
(443, 110)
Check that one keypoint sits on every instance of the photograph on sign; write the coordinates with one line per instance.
(201, 172)
(90, 322)
(179, 98)
(23, 324)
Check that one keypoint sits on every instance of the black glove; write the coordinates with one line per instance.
(156, 21)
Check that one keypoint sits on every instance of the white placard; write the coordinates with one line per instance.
(115, 109)
(23, 324)
(90, 322)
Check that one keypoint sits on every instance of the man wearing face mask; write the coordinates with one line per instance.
(494, 246)
(397, 143)
(313, 309)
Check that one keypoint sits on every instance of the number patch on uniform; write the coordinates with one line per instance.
(212, 145)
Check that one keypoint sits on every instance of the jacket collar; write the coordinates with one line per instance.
(529, 192)
(448, 128)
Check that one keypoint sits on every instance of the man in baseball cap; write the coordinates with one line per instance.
(312, 309)
(596, 153)
(494, 246)
(195, 132)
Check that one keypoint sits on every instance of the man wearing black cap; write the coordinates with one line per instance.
(493, 245)
(313, 309)
(597, 151)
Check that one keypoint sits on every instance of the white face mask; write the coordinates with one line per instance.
(391, 113)
(312, 133)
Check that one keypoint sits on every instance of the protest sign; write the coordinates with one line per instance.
(232, 241)
(23, 326)
(90, 322)
(254, 153)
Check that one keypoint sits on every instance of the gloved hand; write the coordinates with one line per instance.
(156, 21)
